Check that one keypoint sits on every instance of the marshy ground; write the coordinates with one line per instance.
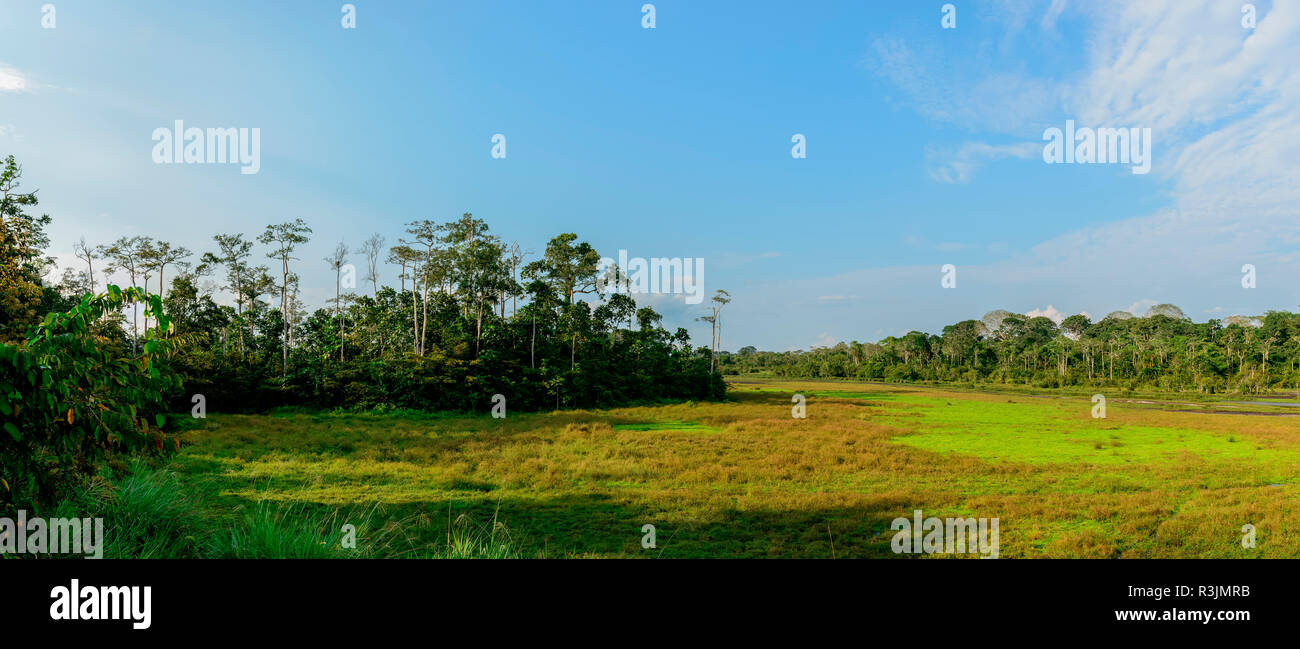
(743, 478)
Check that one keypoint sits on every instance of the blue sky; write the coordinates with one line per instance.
(923, 144)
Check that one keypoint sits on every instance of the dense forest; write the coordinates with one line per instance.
(88, 368)
(1163, 349)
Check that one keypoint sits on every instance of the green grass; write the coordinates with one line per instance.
(676, 426)
(741, 478)
(1065, 432)
(148, 515)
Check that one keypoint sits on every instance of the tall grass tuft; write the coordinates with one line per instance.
(467, 539)
(273, 530)
(147, 515)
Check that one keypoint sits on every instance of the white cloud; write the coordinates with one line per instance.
(1220, 99)
(11, 80)
(1049, 312)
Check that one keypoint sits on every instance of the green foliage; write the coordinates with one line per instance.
(1163, 350)
(69, 398)
(22, 241)
(445, 340)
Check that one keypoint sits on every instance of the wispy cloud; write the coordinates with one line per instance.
(975, 97)
(957, 167)
(12, 80)
(1052, 14)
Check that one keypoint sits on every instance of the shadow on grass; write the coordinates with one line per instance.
(600, 525)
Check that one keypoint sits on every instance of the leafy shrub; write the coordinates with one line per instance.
(70, 398)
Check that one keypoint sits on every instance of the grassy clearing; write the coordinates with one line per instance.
(742, 478)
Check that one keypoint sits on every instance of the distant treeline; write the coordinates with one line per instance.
(1164, 349)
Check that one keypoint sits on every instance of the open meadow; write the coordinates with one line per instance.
(743, 478)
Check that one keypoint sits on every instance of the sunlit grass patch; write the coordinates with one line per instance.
(1065, 432)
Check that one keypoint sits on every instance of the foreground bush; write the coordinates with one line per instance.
(70, 398)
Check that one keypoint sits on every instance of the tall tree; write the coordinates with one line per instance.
(284, 238)
(517, 256)
(233, 252)
(712, 319)
(569, 267)
(129, 255)
(475, 268)
(410, 258)
(371, 248)
(86, 254)
(720, 299)
(165, 255)
(395, 257)
(429, 268)
(157, 256)
(336, 261)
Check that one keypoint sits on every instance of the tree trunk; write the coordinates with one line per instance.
(338, 305)
(424, 328)
(284, 317)
(415, 322)
(719, 344)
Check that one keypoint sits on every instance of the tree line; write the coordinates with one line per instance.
(1163, 349)
(468, 319)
